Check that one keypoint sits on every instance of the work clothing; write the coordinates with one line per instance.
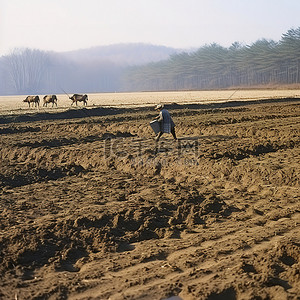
(166, 122)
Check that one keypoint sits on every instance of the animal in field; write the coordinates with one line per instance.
(50, 99)
(35, 100)
(79, 98)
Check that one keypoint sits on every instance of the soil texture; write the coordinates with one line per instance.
(91, 207)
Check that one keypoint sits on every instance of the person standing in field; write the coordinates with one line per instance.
(166, 123)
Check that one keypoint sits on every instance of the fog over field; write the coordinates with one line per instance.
(96, 204)
(141, 45)
(144, 67)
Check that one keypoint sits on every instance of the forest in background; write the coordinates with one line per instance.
(264, 63)
(97, 69)
(140, 67)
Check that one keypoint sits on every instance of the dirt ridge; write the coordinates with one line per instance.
(96, 209)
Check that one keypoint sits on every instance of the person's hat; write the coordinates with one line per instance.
(159, 106)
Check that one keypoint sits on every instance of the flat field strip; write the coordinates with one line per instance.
(15, 104)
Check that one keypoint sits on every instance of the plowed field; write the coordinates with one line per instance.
(91, 207)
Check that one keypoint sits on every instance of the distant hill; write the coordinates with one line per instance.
(95, 69)
(122, 54)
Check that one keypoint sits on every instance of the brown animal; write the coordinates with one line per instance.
(79, 98)
(50, 99)
(35, 100)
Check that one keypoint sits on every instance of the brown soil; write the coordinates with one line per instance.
(93, 208)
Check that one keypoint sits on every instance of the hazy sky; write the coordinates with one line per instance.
(62, 25)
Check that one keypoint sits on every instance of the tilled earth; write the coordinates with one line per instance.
(93, 208)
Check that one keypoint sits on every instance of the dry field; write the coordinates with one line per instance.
(92, 208)
(15, 104)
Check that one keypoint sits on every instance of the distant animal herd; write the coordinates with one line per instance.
(48, 99)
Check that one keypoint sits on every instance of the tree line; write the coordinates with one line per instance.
(32, 71)
(265, 62)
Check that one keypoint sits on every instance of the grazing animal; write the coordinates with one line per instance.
(35, 100)
(50, 99)
(79, 98)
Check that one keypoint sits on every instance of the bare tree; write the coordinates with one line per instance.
(26, 68)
